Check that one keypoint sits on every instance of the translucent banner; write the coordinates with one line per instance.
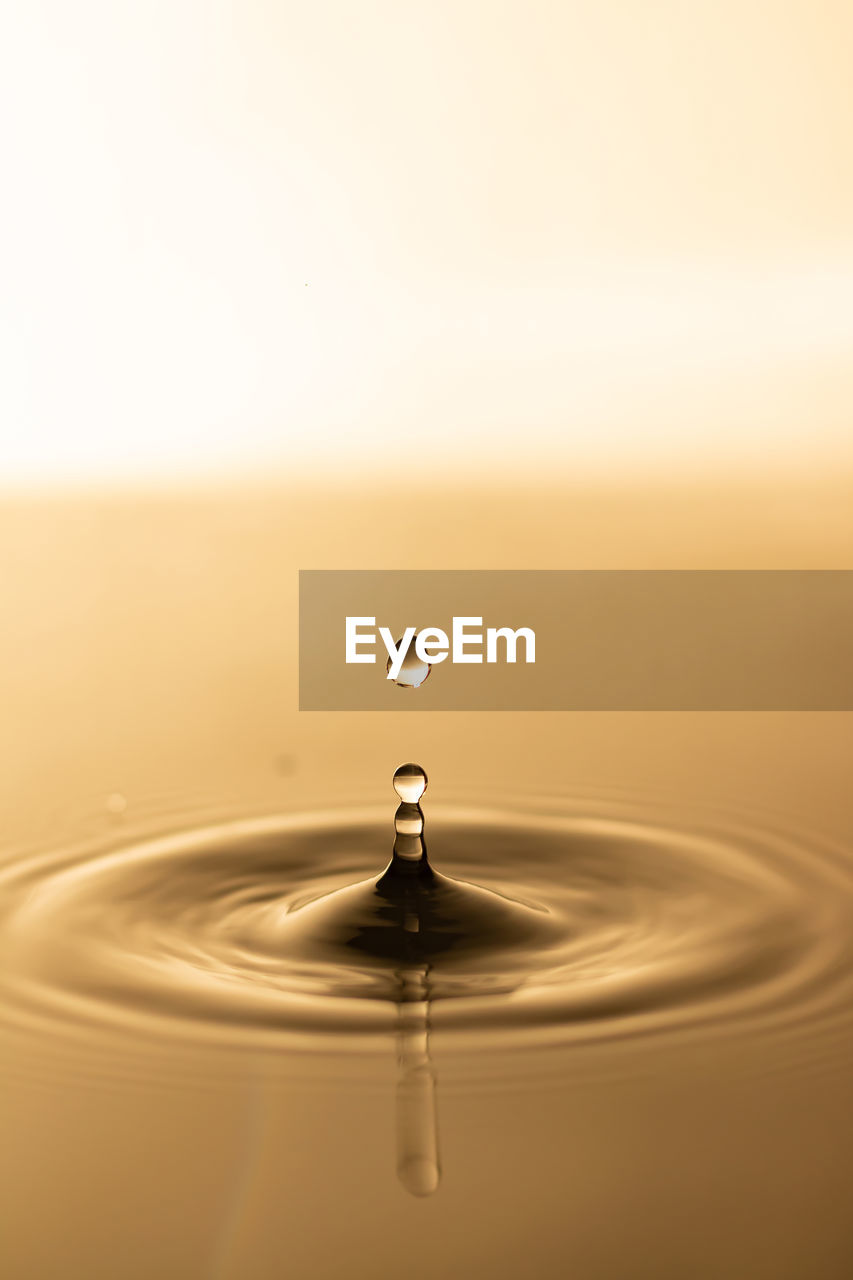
(543, 640)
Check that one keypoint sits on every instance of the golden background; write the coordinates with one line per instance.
(396, 286)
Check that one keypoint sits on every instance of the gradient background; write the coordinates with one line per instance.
(608, 238)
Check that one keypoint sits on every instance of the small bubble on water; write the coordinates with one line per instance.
(413, 670)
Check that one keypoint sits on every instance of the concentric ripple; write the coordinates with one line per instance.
(641, 925)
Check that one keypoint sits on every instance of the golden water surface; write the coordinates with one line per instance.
(680, 1104)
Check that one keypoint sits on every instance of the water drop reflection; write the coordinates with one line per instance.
(418, 1167)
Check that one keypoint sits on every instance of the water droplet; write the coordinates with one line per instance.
(416, 916)
(413, 670)
(410, 782)
(116, 803)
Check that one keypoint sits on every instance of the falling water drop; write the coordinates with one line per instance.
(413, 670)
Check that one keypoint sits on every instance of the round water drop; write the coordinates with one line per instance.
(413, 670)
(410, 782)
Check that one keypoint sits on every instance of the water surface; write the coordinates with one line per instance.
(656, 1082)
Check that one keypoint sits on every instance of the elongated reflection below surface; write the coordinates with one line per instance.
(417, 1123)
(418, 1166)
